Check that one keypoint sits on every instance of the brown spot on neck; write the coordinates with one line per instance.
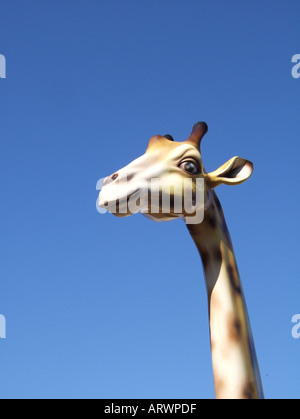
(234, 278)
(249, 392)
(220, 385)
(234, 329)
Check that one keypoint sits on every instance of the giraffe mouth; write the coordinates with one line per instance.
(121, 207)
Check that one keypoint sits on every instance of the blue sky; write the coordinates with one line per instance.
(100, 307)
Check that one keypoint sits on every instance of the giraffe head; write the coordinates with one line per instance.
(167, 181)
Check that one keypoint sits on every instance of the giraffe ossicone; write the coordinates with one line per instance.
(179, 171)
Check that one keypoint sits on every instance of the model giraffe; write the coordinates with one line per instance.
(235, 366)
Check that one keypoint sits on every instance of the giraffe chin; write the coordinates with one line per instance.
(161, 217)
(121, 215)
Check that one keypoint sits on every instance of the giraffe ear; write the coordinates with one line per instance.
(233, 172)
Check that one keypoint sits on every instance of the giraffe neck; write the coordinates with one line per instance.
(235, 366)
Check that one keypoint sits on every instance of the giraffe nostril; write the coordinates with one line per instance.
(114, 177)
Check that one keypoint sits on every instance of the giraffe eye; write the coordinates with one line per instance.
(190, 167)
